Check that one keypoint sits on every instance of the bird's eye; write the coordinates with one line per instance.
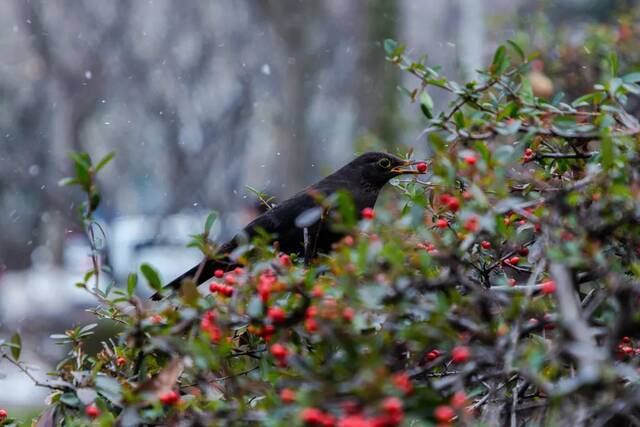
(385, 163)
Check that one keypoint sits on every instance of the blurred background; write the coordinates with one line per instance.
(201, 99)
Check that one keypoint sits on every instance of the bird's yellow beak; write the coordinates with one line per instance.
(406, 168)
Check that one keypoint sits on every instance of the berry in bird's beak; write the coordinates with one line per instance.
(406, 168)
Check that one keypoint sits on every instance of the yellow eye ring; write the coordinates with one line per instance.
(385, 163)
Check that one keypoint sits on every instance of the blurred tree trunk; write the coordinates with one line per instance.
(471, 36)
(70, 103)
(373, 93)
(377, 93)
(290, 21)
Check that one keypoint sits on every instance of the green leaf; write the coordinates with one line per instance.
(87, 328)
(16, 348)
(558, 98)
(106, 159)
(83, 165)
(403, 90)
(526, 91)
(132, 282)
(211, 218)
(631, 77)
(508, 128)
(81, 159)
(426, 104)
(533, 55)
(59, 337)
(86, 395)
(110, 388)
(500, 61)
(70, 399)
(613, 63)
(584, 100)
(517, 48)
(152, 276)
(68, 181)
(390, 46)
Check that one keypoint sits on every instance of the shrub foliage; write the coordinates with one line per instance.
(498, 288)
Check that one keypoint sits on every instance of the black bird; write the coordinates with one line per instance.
(298, 223)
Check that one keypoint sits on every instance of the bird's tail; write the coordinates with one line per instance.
(207, 271)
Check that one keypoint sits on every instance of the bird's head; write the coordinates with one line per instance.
(378, 168)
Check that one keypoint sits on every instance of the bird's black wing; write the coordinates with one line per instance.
(280, 222)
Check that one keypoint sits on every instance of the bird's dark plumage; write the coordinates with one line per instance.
(362, 179)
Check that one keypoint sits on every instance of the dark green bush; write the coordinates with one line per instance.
(500, 289)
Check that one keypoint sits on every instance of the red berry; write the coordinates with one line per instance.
(92, 411)
(267, 331)
(511, 281)
(548, 287)
(317, 292)
(312, 416)
(170, 398)
(355, 420)
(218, 273)
(453, 204)
(442, 223)
(485, 245)
(3, 414)
(444, 413)
(528, 152)
(459, 399)
(230, 279)
(279, 351)
(514, 260)
(347, 314)
(285, 260)
(368, 213)
(311, 311)
(460, 354)
(470, 160)
(471, 224)
(422, 167)
(392, 405)
(214, 287)
(238, 271)
(287, 395)
(276, 314)
(310, 324)
(433, 355)
(626, 340)
(328, 420)
(121, 361)
(156, 318)
(402, 382)
(524, 251)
